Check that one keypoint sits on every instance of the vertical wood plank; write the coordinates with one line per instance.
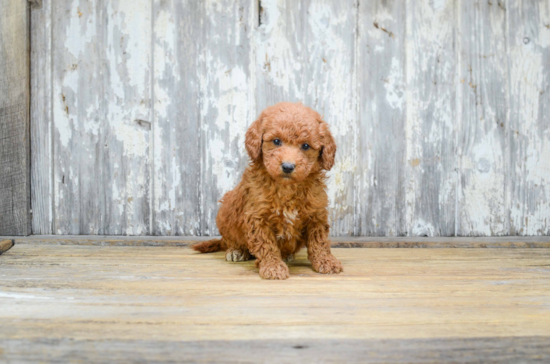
(78, 116)
(177, 33)
(100, 88)
(329, 88)
(529, 52)
(381, 95)
(227, 100)
(279, 50)
(41, 119)
(14, 118)
(482, 139)
(127, 103)
(431, 118)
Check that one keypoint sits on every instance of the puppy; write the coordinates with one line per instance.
(280, 205)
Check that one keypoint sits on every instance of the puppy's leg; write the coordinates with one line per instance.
(262, 245)
(318, 248)
(235, 251)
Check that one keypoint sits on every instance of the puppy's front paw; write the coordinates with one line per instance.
(274, 269)
(236, 255)
(327, 264)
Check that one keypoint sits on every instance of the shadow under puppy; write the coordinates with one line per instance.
(280, 205)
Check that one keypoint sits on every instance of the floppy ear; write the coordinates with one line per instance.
(253, 139)
(328, 150)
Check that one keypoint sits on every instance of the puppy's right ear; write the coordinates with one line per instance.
(253, 139)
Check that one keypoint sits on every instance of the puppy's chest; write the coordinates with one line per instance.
(288, 220)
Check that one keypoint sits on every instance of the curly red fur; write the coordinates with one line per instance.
(272, 214)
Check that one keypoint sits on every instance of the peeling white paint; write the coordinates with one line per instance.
(423, 228)
(395, 93)
(103, 83)
(274, 53)
(81, 31)
(430, 184)
(529, 83)
(483, 194)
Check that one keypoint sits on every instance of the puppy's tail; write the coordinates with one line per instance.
(209, 246)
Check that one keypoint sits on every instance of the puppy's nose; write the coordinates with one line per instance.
(288, 167)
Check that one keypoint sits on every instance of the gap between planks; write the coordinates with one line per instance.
(337, 242)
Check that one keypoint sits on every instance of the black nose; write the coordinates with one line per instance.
(288, 167)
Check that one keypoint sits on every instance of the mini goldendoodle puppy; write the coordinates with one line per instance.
(281, 203)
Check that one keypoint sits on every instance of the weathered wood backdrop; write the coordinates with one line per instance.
(440, 108)
(14, 118)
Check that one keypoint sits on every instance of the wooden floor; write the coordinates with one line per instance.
(61, 303)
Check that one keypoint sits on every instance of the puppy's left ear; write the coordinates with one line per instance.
(328, 150)
(253, 139)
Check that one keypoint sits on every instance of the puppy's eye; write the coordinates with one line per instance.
(305, 146)
(277, 141)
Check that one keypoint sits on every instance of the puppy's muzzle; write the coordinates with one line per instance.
(288, 167)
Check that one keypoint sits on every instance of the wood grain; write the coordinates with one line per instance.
(177, 118)
(41, 119)
(127, 105)
(141, 302)
(529, 129)
(14, 118)
(279, 52)
(431, 122)
(78, 116)
(101, 107)
(380, 187)
(449, 350)
(482, 141)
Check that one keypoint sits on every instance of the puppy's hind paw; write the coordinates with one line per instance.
(327, 265)
(235, 255)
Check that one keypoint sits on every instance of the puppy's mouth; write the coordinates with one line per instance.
(287, 177)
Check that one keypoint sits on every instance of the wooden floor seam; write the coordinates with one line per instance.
(336, 242)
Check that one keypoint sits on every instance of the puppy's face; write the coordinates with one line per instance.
(287, 157)
(292, 141)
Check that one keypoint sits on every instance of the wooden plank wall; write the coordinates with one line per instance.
(441, 110)
(15, 198)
